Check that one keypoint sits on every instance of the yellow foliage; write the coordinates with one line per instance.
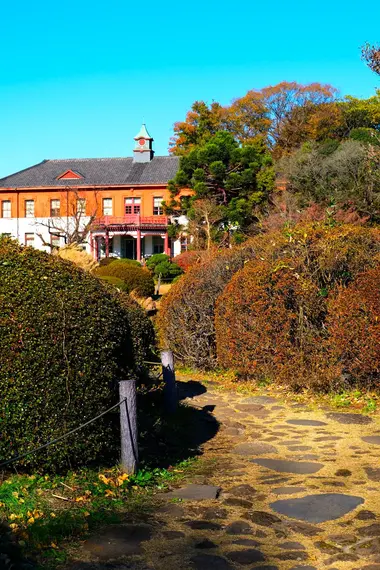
(75, 254)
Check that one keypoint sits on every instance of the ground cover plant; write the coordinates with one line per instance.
(66, 341)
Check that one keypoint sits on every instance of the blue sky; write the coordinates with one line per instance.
(78, 78)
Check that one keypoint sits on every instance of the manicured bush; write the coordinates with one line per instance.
(161, 265)
(186, 316)
(187, 259)
(327, 256)
(108, 260)
(136, 279)
(268, 321)
(354, 326)
(155, 259)
(141, 330)
(65, 342)
(115, 281)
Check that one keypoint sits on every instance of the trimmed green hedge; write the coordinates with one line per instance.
(65, 342)
(136, 279)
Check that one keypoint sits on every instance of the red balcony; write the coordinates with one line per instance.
(130, 221)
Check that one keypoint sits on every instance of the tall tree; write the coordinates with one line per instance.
(200, 124)
(233, 181)
(371, 55)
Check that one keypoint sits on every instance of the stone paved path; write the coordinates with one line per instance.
(288, 488)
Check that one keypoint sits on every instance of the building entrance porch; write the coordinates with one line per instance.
(133, 245)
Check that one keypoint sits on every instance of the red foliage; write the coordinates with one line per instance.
(187, 259)
(354, 327)
(267, 321)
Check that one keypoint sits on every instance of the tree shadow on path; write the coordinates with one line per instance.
(168, 439)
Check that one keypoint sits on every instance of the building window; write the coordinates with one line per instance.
(184, 244)
(55, 241)
(55, 208)
(29, 208)
(107, 206)
(29, 239)
(6, 209)
(158, 244)
(157, 206)
(132, 205)
(81, 206)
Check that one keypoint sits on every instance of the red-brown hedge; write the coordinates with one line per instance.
(326, 256)
(354, 327)
(267, 321)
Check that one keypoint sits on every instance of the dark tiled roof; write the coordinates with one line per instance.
(95, 171)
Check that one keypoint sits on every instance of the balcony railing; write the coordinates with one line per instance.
(130, 220)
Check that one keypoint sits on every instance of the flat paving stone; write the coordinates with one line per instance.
(304, 568)
(237, 502)
(118, 540)
(305, 422)
(317, 508)
(285, 466)
(194, 492)
(373, 473)
(238, 527)
(346, 418)
(205, 544)
(203, 525)
(292, 546)
(303, 528)
(292, 555)
(251, 448)
(249, 556)
(208, 561)
(260, 400)
(373, 439)
(288, 490)
(262, 518)
(242, 491)
(246, 542)
(173, 534)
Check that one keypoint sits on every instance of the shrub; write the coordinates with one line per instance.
(155, 259)
(77, 255)
(354, 327)
(115, 281)
(136, 279)
(141, 330)
(328, 256)
(108, 260)
(187, 259)
(186, 316)
(160, 264)
(268, 321)
(65, 342)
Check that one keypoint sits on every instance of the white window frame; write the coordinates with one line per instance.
(157, 209)
(29, 208)
(6, 209)
(54, 207)
(107, 207)
(81, 206)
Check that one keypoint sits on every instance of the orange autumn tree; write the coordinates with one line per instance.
(283, 116)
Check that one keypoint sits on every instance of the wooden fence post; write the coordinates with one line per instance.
(170, 388)
(128, 425)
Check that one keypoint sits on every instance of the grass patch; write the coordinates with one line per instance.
(45, 512)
